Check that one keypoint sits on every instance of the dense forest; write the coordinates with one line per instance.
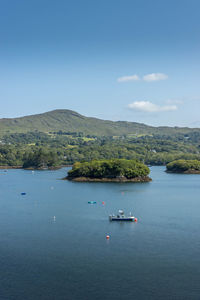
(65, 148)
(40, 159)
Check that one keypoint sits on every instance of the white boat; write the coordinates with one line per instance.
(121, 217)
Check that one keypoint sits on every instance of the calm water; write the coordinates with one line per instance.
(68, 257)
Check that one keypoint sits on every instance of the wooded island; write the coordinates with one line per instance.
(114, 170)
(184, 166)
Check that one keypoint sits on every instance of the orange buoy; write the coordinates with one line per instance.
(107, 237)
(135, 220)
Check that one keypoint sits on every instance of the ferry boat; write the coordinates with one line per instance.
(121, 217)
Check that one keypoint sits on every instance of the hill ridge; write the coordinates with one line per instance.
(69, 120)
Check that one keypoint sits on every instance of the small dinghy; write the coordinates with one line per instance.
(121, 217)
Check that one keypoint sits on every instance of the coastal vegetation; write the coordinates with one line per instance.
(184, 166)
(109, 170)
(40, 159)
(70, 148)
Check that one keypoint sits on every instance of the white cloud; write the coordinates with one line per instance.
(128, 78)
(147, 77)
(155, 77)
(147, 106)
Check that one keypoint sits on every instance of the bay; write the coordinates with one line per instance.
(53, 243)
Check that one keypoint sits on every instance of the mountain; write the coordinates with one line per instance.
(71, 121)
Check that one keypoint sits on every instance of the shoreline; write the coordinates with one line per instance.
(11, 167)
(88, 179)
(31, 168)
(184, 172)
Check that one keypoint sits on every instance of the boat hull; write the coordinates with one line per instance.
(129, 219)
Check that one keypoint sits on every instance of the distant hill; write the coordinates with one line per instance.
(68, 120)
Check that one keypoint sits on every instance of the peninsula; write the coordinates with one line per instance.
(114, 170)
(184, 166)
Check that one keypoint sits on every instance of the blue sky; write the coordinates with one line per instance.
(135, 60)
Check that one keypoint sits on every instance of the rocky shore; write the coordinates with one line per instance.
(116, 179)
(184, 172)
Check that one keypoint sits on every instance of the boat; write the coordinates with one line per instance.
(121, 217)
(92, 202)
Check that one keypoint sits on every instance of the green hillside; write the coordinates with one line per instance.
(67, 120)
(70, 121)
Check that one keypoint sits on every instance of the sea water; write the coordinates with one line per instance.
(53, 243)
